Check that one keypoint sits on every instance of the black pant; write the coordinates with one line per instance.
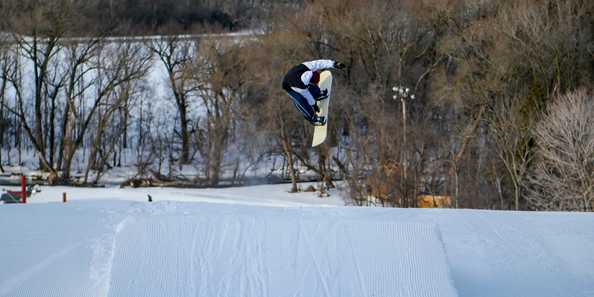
(302, 105)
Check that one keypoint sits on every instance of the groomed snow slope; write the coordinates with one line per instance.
(171, 248)
(201, 249)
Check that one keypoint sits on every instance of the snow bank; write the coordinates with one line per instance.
(265, 195)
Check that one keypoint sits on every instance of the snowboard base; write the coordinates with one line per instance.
(320, 132)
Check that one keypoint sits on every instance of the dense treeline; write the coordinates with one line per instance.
(499, 117)
(120, 17)
(485, 75)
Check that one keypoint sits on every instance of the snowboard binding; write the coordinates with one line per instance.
(319, 121)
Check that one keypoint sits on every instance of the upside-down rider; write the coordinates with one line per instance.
(301, 83)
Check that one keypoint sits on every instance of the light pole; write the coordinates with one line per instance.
(403, 94)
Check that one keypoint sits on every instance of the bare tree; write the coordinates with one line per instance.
(19, 108)
(77, 57)
(108, 135)
(115, 64)
(6, 63)
(220, 79)
(563, 178)
(548, 41)
(40, 49)
(511, 135)
(285, 140)
(177, 55)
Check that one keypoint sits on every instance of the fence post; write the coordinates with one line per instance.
(23, 189)
(64, 198)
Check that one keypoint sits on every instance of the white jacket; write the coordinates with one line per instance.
(314, 65)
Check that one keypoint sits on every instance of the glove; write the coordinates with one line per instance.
(314, 90)
(339, 65)
(323, 95)
(316, 108)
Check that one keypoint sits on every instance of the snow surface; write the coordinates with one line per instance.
(111, 242)
(265, 195)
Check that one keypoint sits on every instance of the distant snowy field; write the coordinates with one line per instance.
(263, 241)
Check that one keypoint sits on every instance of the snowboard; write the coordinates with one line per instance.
(319, 135)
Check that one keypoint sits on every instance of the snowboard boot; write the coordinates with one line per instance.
(320, 121)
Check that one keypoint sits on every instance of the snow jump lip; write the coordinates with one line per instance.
(179, 249)
(278, 257)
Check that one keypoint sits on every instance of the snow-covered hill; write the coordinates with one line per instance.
(95, 246)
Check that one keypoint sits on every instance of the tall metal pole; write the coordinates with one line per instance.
(403, 153)
(403, 161)
(403, 94)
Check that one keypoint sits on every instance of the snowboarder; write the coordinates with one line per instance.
(300, 83)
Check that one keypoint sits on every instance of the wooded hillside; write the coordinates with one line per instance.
(501, 115)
